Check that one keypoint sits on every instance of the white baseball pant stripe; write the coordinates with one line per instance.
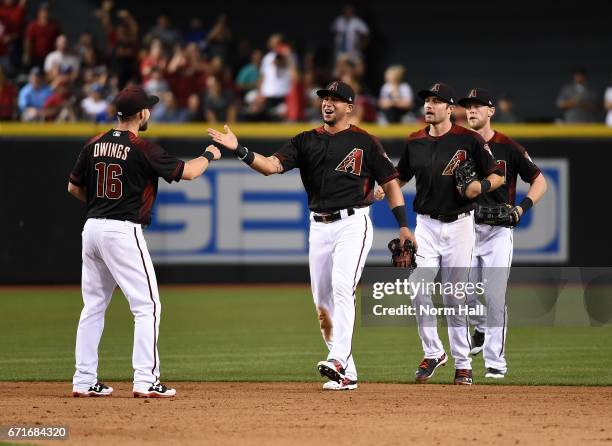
(491, 265)
(115, 253)
(337, 255)
(447, 248)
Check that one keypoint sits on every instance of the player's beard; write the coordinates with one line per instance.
(143, 126)
(330, 122)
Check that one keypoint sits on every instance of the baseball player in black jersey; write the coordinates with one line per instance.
(494, 244)
(116, 175)
(338, 165)
(445, 223)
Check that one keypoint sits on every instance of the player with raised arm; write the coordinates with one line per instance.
(116, 175)
(338, 164)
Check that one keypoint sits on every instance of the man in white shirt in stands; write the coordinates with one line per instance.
(351, 33)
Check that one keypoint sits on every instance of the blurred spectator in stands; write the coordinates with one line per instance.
(153, 59)
(195, 111)
(396, 97)
(61, 57)
(219, 39)
(124, 54)
(577, 100)
(156, 84)
(87, 51)
(94, 104)
(12, 23)
(346, 67)
(504, 113)
(365, 109)
(296, 99)
(196, 33)
(313, 110)
(186, 73)
(219, 103)
(33, 95)
(165, 32)
(40, 37)
(59, 106)
(275, 76)
(608, 104)
(351, 33)
(248, 75)
(168, 110)
(8, 94)
(109, 115)
(5, 59)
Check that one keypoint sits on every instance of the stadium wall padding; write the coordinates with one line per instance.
(41, 223)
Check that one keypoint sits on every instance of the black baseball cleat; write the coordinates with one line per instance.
(477, 342)
(494, 373)
(463, 377)
(428, 366)
(331, 369)
(98, 389)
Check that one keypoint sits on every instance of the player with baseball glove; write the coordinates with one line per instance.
(496, 215)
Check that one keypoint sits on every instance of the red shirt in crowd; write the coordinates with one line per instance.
(12, 18)
(8, 96)
(42, 38)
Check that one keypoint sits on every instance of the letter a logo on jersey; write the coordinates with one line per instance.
(459, 157)
(352, 162)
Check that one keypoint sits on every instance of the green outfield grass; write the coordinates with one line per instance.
(264, 334)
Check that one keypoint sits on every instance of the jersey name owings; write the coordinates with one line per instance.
(459, 157)
(111, 149)
(352, 162)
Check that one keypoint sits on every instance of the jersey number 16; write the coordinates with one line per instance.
(109, 184)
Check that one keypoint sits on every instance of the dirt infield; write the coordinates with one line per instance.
(300, 413)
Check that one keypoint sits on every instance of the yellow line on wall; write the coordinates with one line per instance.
(39, 130)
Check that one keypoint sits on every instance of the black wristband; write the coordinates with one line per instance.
(399, 212)
(244, 154)
(208, 155)
(526, 204)
(485, 185)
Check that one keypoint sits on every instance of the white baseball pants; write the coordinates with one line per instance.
(448, 248)
(491, 266)
(337, 255)
(115, 253)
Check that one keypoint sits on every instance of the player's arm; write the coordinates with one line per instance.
(266, 165)
(494, 175)
(79, 192)
(536, 191)
(197, 166)
(395, 199)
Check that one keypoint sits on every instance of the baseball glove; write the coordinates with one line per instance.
(402, 256)
(498, 215)
(465, 173)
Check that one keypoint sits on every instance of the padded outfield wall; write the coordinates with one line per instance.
(233, 225)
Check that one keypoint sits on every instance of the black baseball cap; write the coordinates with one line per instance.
(340, 90)
(441, 91)
(132, 99)
(478, 95)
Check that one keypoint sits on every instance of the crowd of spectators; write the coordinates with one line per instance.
(207, 74)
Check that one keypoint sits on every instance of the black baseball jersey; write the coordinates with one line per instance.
(514, 161)
(120, 172)
(432, 160)
(338, 170)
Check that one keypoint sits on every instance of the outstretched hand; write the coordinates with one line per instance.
(227, 139)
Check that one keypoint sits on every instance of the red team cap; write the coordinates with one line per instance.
(132, 99)
(441, 91)
(478, 96)
(340, 90)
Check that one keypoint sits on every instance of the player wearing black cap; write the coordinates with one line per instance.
(116, 175)
(494, 244)
(338, 165)
(445, 224)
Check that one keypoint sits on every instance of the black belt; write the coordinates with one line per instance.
(334, 216)
(449, 218)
